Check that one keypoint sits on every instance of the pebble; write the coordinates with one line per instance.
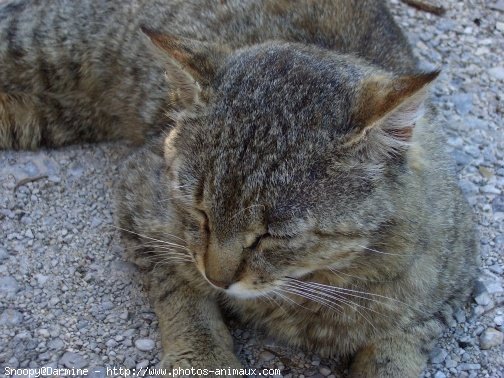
(497, 5)
(324, 370)
(3, 254)
(463, 102)
(439, 374)
(483, 299)
(465, 341)
(56, 344)
(8, 287)
(129, 363)
(145, 345)
(438, 355)
(474, 151)
(465, 367)
(266, 356)
(10, 317)
(499, 320)
(498, 204)
(73, 360)
(497, 72)
(41, 279)
(460, 315)
(450, 364)
(491, 338)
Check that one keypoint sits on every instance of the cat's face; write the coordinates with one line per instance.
(281, 170)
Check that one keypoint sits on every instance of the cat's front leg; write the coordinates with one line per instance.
(402, 354)
(195, 339)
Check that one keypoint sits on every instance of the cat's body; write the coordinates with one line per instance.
(304, 189)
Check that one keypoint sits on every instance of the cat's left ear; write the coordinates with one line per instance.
(199, 61)
(388, 108)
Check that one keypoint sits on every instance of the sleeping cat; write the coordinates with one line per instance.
(300, 163)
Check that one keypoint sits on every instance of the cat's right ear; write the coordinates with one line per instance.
(198, 60)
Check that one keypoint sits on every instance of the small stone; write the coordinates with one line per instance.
(498, 204)
(325, 371)
(3, 254)
(491, 338)
(8, 287)
(43, 332)
(469, 367)
(468, 187)
(56, 344)
(14, 362)
(450, 364)
(10, 318)
(111, 343)
(129, 363)
(142, 364)
(474, 151)
(465, 342)
(494, 287)
(124, 315)
(266, 356)
(44, 356)
(439, 374)
(95, 222)
(53, 301)
(73, 360)
(438, 355)
(107, 305)
(496, 268)
(460, 316)
(485, 172)
(463, 102)
(490, 189)
(41, 279)
(498, 5)
(499, 320)
(145, 345)
(497, 72)
(483, 299)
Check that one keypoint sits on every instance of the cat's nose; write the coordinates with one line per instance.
(221, 263)
(221, 284)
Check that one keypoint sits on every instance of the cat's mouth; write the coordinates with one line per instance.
(250, 288)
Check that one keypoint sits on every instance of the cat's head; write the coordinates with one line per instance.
(285, 161)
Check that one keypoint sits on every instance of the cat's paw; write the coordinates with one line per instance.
(387, 361)
(188, 365)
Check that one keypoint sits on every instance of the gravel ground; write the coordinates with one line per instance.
(68, 299)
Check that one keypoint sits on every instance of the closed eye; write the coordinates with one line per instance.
(257, 240)
(268, 236)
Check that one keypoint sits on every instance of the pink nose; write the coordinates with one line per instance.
(221, 284)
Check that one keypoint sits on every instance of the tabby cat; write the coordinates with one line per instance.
(300, 161)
